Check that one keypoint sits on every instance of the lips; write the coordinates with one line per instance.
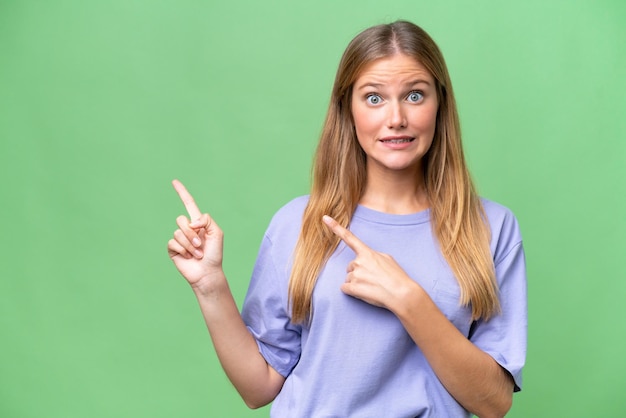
(396, 139)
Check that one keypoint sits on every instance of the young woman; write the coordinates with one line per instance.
(392, 290)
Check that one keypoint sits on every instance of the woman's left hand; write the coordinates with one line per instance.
(373, 277)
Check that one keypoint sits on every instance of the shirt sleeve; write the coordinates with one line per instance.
(266, 314)
(504, 336)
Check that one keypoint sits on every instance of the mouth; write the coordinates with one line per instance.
(397, 139)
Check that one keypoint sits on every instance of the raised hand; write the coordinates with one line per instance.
(197, 251)
(197, 246)
(373, 277)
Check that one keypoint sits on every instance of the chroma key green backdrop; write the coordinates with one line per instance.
(103, 103)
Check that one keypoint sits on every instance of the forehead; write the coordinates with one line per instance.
(395, 68)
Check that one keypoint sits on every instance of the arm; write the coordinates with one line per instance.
(196, 250)
(256, 381)
(471, 376)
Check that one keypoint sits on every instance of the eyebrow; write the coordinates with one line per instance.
(408, 83)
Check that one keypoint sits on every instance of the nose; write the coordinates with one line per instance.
(397, 116)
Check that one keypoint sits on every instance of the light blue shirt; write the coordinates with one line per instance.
(357, 360)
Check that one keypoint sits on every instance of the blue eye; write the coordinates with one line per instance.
(415, 97)
(373, 99)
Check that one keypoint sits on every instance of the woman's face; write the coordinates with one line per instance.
(394, 108)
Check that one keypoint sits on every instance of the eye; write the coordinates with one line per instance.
(415, 97)
(373, 99)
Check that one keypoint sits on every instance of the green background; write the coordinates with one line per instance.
(103, 103)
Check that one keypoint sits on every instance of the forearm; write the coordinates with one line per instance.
(471, 376)
(257, 382)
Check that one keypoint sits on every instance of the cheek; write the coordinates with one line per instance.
(359, 122)
(426, 120)
(365, 121)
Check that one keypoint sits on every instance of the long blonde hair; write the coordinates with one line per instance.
(339, 176)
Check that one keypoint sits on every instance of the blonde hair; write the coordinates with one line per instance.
(339, 176)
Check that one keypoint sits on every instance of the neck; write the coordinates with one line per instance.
(396, 192)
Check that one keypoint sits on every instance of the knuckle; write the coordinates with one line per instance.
(174, 247)
(180, 237)
(182, 221)
(389, 257)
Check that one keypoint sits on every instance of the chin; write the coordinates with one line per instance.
(395, 164)
(399, 168)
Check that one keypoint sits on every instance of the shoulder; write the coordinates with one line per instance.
(288, 218)
(295, 207)
(280, 237)
(498, 214)
(505, 230)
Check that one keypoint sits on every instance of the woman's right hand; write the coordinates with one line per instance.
(197, 246)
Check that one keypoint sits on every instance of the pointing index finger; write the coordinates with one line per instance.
(185, 196)
(346, 235)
